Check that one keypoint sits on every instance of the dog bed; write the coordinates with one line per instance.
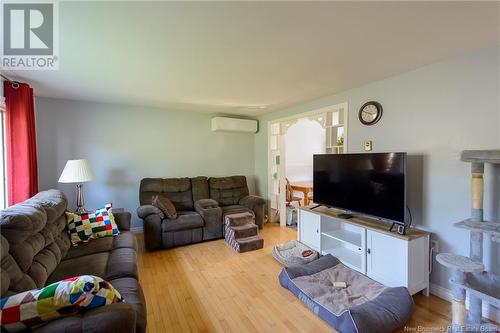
(290, 253)
(364, 306)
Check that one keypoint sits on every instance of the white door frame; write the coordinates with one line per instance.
(281, 143)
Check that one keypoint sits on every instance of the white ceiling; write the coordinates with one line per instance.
(250, 58)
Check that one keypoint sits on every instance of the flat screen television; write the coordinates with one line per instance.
(371, 184)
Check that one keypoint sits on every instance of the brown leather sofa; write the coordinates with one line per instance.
(36, 251)
(201, 205)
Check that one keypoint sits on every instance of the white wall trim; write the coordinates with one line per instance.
(281, 167)
(488, 311)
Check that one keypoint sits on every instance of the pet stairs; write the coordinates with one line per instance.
(468, 275)
(241, 232)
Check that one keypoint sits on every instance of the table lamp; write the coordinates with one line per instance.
(79, 172)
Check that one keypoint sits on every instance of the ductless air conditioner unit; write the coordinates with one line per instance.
(225, 124)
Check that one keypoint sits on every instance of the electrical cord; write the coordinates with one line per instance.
(410, 216)
(431, 255)
(431, 250)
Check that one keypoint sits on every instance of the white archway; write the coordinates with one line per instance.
(332, 118)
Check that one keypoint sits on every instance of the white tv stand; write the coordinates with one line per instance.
(368, 247)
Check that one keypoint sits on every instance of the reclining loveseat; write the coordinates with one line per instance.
(201, 203)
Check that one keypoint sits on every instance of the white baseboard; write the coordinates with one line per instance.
(137, 230)
(488, 311)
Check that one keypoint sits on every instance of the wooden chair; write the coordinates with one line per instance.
(290, 197)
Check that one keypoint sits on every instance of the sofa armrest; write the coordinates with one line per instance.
(252, 201)
(256, 204)
(113, 318)
(152, 232)
(152, 217)
(123, 220)
(146, 210)
(202, 204)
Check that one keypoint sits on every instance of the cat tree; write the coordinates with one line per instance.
(468, 274)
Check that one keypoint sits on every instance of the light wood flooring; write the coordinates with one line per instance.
(208, 287)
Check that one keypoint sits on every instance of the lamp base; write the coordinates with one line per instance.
(81, 210)
(79, 199)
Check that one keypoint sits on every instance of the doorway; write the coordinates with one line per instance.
(292, 142)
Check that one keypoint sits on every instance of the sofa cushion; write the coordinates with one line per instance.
(165, 205)
(114, 318)
(115, 264)
(105, 244)
(34, 233)
(178, 190)
(200, 188)
(131, 292)
(228, 190)
(13, 279)
(184, 220)
(122, 263)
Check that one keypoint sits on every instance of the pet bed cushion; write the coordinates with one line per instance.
(290, 253)
(364, 306)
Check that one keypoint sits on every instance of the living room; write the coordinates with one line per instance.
(177, 114)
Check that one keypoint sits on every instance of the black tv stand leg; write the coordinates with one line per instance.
(345, 216)
(392, 226)
(315, 206)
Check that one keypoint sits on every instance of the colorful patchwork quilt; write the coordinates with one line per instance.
(33, 308)
(91, 225)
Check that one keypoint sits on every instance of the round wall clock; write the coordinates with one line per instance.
(370, 113)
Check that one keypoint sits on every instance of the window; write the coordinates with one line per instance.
(3, 176)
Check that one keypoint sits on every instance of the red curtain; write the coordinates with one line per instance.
(22, 178)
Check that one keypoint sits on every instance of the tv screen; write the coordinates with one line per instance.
(371, 183)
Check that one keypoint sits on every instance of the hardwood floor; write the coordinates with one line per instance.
(208, 287)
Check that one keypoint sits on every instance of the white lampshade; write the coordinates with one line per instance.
(77, 171)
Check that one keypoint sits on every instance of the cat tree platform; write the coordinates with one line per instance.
(489, 228)
(481, 156)
(460, 263)
(485, 286)
(468, 275)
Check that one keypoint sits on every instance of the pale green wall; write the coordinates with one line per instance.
(127, 143)
(432, 113)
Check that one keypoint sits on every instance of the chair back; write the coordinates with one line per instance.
(289, 191)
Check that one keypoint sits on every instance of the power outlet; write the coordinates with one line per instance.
(368, 145)
(435, 246)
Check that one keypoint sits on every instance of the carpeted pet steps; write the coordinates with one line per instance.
(241, 232)
(244, 231)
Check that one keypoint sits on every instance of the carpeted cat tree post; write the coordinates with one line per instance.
(468, 275)
(476, 237)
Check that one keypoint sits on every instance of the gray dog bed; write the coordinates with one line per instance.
(290, 253)
(364, 306)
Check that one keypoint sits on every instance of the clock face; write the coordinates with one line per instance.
(370, 113)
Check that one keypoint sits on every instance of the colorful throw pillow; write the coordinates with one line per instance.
(165, 205)
(91, 225)
(33, 308)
